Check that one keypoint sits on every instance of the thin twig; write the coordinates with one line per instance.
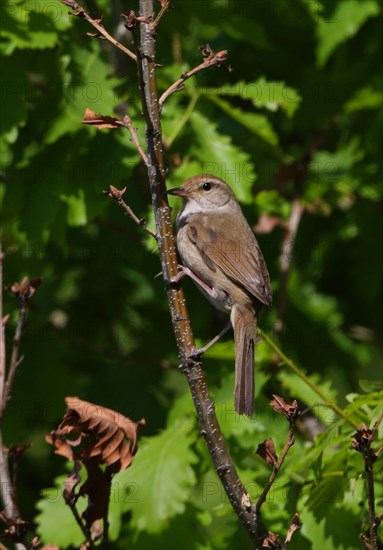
(128, 123)
(183, 120)
(16, 358)
(161, 13)
(377, 424)
(211, 60)
(96, 23)
(305, 378)
(116, 194)
(84, 529)
(289, 443)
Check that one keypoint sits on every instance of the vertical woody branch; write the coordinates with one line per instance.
(7, 496)
(179, 314)
(156, 174)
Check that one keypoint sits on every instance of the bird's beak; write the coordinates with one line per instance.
(178, 192)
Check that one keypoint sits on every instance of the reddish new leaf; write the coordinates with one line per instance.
(266, 450)
(101, 121)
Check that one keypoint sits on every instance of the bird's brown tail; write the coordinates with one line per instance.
(244, 323)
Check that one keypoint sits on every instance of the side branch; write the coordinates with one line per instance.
(116, 194)
(165, 6)
(211, 59)
(128, 123)
(96, 23)
(289, 443)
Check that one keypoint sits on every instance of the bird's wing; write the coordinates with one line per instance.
(240, 258)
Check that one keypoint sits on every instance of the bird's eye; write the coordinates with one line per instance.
(206, 186)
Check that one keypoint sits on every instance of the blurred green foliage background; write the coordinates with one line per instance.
(297, 121)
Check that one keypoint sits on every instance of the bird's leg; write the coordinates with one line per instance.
(200, 351)
(214, 293)
(211, 291)
(185, 271)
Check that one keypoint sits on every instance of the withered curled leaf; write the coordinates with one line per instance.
(289, 410)
(88, 431)
(266, 450)
(93, 435)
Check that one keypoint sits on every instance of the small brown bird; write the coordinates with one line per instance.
(221, 254)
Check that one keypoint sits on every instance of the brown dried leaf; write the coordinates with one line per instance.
(101, 121)
(289, 410)
(266, 450)
(361, 441)
(362, 438)
(94, 435)
(89, 430)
